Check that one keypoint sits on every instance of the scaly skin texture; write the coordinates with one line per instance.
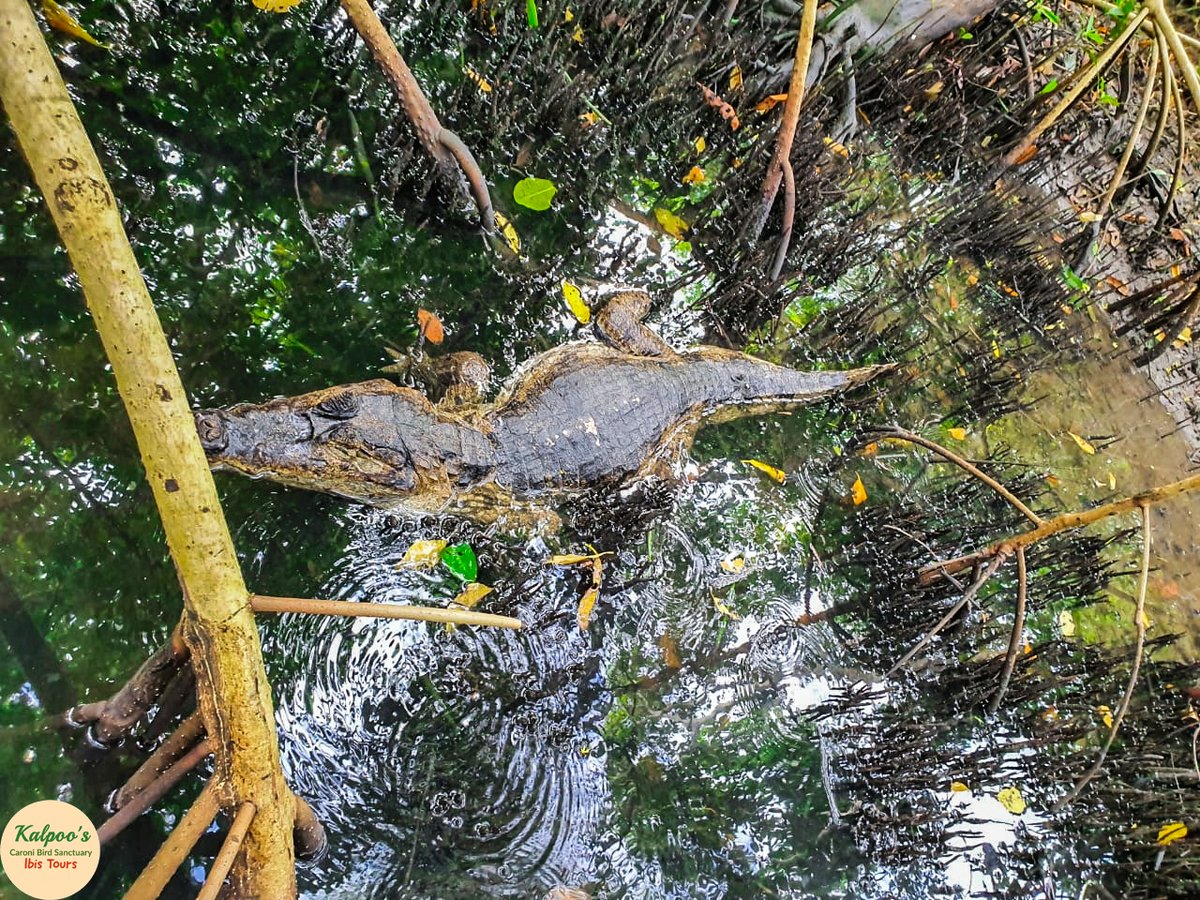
(577, 417)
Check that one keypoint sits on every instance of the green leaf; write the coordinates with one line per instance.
(460, 559)
(1050, 86)
(531, 12)
(534, 193)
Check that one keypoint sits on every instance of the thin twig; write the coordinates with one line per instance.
(175, 849)
(1065, 522)
(1138, 124)
(958, 607)
(261, 604)
(228, 852)
(970, 468)
(1140, 620)
(1014, 640)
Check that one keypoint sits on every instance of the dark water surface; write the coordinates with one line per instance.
(724, 727)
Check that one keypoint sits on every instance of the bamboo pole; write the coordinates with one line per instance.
(176, 847)
(234, 695)
(263, 604)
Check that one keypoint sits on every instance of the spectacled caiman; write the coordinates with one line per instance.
(580, 416)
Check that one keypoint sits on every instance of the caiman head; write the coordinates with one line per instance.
(373, 442)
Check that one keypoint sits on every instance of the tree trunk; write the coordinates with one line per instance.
(234, 695)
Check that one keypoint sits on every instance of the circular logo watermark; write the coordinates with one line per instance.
(49, 850)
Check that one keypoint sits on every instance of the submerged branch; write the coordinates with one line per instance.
(263, 604)
(177, 847)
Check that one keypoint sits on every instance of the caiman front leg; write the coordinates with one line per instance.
(620, 324)
(455, 381)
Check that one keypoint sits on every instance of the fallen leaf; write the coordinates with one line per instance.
(728, 113)
(568, 16)
(575, 303)
(509, 232)
(574, 559)
(276, 6)
(724, 610)
(586, 605)
(769, 103)
(531, 13)
(472, 594)
(1171, 832)
(871, 449)
(700, 144)
(430, 326)
(534, 193)
(837, 148)
(588, 119)
(460, 560)
(694, 176)
(480, 82)
(1088, 216)
(735, 565)
(1010, 798)
(1066, 623)
(61, 20)
(959, 434)
(422, 555)
(1112, 481)
(768, 470)
(1105, 715)
(670, 652)
(858, 492)
(671, 223)
(958, 787)
(735, 78)
(935, 89)
(1083, 444)
(577, 34)
(1185, 337)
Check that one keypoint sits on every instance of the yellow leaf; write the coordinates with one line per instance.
(1010, 798)
(1066, 623)
(472, 594)
(422, 555)
(569, 559)
(837, 148)
(577, 34)
(1088, 216)
(996, 351)
(575, 303)
(670, 652)
(958, 787)
(1105, 715)
(734, 565)
(769, 103)
(568, 16)
(768, 470)
(586, 605)
(588, 119)
(1171, 832)
(1145, 620)
(1083, 445)
(700, 144)
(735, 78)
(509, 232)
(694, 176)
(959, 434)
(934, 89)
(858, 492)
(61, 20)
(871, 449)
(671, 223)
(725, 610)
(1185, 337)
(1112, 481)
(276, 6)
(480, 82)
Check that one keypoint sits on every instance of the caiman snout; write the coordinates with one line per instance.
(210, 425)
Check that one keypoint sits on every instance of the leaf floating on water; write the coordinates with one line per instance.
(430, 326)
(534, 193)
(1083, 444)
(670, 651)
(61, 20)
(1010, 798)
(1066, 623)
(574, 559)
(575, 303)
(735, 78)
(694, 176)
(769, 103)
(735, 565)
(586, 605)
(531, 13)
(460, 560)
(1105, 714)
(276, 6)
(959, 434)
(1112, 481)
(480, 82)
(700, 144)
(724, 610)
(728, 113)
(588, 119)
(422, 555)
(768, 470)
(671, 223)
(1171, 832)
(858, 492)
(958, 787)
(509, 232)
(472, 594)
(577, 34)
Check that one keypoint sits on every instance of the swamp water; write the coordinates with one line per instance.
(724, 726)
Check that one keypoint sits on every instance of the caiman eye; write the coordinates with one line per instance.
(339, 406)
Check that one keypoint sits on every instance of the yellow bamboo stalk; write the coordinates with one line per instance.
(263, 604)
(234, 695)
